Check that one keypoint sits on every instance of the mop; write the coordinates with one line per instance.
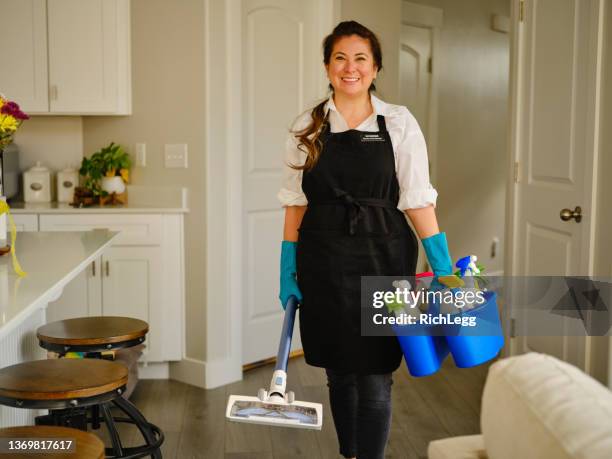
(276, 407)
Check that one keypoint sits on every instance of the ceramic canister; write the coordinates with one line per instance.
(67, 180)
(37, 184)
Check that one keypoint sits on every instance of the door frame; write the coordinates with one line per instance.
(516, 89)
(225, 271)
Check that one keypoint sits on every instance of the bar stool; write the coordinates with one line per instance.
(92, 335)
(68, 387)
(85, 446)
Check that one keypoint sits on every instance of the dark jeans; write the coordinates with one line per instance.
(361, 408)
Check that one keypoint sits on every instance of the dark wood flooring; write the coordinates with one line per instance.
(193, 420)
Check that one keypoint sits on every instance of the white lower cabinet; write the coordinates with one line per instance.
(132, 278)
(25, 222)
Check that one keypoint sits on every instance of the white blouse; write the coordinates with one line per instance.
(410, 151)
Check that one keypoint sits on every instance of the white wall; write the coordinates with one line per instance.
(168, 107)
(56, 141)
(472, 114)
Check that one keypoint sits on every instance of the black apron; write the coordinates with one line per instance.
(351, 228)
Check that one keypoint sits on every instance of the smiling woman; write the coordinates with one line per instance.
(356, 166)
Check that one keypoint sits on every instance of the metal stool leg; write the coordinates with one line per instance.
(112, 430)
(143, 425)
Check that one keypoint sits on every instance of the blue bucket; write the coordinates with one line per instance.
(470, 349)
(424, 354)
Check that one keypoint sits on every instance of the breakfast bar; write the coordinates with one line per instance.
(51, 260)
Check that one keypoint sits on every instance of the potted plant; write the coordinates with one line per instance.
(106, 171)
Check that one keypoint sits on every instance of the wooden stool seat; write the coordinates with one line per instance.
(61, 379)
(87, 446)
(92, 332)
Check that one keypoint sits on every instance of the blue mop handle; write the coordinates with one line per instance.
(285, 342)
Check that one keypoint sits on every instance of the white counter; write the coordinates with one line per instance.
(51, 259)
(141, 200)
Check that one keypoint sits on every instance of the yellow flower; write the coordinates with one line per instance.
(8, 123)
(110, 173)
(125, 174)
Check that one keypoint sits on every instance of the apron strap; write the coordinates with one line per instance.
(355, 206)
(382, 125)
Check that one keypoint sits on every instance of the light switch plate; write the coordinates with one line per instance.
(141, 154)
(175, 155)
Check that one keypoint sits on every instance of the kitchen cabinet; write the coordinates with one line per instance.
(25, 222)
(140, 275)
(68, 57)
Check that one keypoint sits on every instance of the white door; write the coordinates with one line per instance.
(131, 287)
(281, 68)
(415, 72)
(23, 68)
(554, 141)
(417, 91)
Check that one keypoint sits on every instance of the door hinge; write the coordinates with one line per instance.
(522, 11)
(512, 332)
(516, 172)
(430, 65)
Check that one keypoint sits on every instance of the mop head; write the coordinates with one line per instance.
(275, 411)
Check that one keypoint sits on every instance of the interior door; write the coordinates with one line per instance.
(415, 72)
(416, 76)
(555, 146)
(281, 65)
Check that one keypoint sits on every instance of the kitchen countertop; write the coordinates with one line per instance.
(51, 260)
(63, 208)
(141, 200)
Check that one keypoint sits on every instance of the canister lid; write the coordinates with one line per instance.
(39, 168)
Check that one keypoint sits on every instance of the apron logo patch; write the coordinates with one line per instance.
(372, 138)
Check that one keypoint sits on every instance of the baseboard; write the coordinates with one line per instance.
(220, 372)
(158, 370)
(190, 371)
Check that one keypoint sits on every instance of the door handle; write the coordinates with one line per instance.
(93, 269)
(107, 264)
(568, 214)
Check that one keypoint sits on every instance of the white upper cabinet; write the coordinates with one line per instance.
(23, 65)
(75, 59)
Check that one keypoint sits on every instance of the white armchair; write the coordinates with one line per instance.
(536, 406)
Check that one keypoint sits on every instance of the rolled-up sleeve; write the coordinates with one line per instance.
(413, 168)
(291, 193)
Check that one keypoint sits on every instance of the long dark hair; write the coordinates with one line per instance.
(312, 146)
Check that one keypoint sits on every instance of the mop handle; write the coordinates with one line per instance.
(285, 342)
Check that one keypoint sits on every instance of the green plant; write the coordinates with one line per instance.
(110, 161)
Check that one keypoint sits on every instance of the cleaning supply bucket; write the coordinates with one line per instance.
(424, 354)
(475, 347)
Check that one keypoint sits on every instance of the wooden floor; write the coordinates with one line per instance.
(193, 420)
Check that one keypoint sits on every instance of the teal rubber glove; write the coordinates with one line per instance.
(288, 276)
(438, 256)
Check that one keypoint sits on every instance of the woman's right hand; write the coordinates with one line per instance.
(288, 277)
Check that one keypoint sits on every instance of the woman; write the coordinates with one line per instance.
(354, 164)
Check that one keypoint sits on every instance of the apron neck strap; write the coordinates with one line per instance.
(382, 125)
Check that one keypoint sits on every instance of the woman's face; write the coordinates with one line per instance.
(351, 67)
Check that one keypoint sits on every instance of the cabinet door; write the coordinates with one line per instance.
(23, 68)
(131, 287)
(25, 222)
(88, 55)
(82, 297)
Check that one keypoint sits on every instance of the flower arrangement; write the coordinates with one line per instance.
(11, 118)
(108, 162)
